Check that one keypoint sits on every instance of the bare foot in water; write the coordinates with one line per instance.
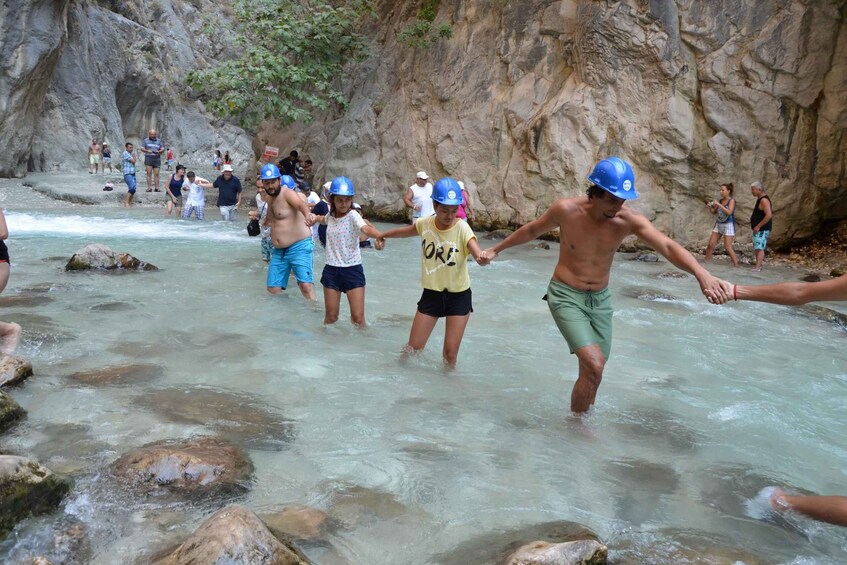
(10, 334)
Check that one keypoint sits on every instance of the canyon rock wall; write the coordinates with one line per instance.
(527, 96)
(76, 70)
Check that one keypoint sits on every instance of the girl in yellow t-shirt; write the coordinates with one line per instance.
(447, 243)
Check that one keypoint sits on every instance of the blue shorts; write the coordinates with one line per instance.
(343, 279)
(297, 257)
(131, 183)
(760, 239)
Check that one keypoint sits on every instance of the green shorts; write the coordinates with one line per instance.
(583, 317)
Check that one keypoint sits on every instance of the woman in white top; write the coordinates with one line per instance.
(343, 271)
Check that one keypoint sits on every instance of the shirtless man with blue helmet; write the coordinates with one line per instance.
(592, 228)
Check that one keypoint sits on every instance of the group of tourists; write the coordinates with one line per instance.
(761, 221)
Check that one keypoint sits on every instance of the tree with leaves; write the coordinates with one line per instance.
(290, 59)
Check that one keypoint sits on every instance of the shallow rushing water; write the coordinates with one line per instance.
(701, 406)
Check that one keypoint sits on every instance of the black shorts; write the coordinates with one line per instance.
(4, 253)
(445, 303)
(343, 279)
(155, 162)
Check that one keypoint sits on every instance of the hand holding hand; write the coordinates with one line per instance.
(310, 220)
(379, 243)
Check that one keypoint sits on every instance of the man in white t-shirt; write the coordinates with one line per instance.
(419, 197)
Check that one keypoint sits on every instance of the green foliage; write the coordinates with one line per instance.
(290, 60)
(419, 33)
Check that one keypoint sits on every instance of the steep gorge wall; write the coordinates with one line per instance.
(526, 96)
(77, 70)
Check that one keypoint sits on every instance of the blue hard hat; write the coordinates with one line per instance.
(615, 176)
(448, 192)
(342, 186)
(288, 182)
(270, 171)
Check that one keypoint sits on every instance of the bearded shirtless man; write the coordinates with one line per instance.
(290, 221)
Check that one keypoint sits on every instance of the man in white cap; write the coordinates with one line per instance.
(419, 197)
(229, 193)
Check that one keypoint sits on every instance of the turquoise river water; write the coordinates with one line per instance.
(701, 406)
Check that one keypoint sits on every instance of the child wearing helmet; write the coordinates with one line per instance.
(447, 244)
(343, 270)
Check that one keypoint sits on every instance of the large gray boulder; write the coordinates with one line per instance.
(100, 257)
(27, 487)
(194, 467)
(233, 535)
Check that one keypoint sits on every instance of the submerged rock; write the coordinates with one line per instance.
(14, 370)
(299, 522)
(10, 411)
(498, 234)
(583, 552)
(119, 374)
(500, 547)
(197, 466)
(646, 257)
(233, 535)
(100, 257)
(240, 418)
(27, 487)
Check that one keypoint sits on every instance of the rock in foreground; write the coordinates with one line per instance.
(14, 370)
(27, 487)
(582, 552)
(10, 411)
(100, 257)
(198, 466)
(233, 535)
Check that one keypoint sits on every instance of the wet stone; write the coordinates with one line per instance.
(10, 412)
(119, 374)
(497, 547)
(14, 370)
(354, 505)
(824, 314)
(113, 307)
(582, 552)
(298, 522)
(240, 418)
(672, 275)
(647, 294)
(200, 466)
(24, 301)
(27, 488)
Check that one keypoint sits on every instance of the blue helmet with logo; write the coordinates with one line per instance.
(288, 182)
(448, 192)
(269, 171)
(615, 176)
(342, 186)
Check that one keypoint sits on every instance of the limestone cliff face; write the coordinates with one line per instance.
(527, 96)
(77, 70)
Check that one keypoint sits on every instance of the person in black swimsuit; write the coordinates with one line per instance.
(10, 332)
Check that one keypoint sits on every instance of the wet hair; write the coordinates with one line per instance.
(595, 191)
(729, 187)
(178, 167)
(190, 174)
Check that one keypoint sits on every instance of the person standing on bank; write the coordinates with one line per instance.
(419, 197)
(724, 224)
(592, 228)
(229, 193)
(446, 244)
(128, 169)
(290, 221)
(343, 272)
(761, 221)
(152, 147)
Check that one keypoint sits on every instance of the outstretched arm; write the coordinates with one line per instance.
(792, 293)
(710, 285)
(405, 231)
(298, 203)
(476, 252)
(539, 226)
(830, 509)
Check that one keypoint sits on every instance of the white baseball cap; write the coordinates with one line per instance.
(422, 175)
(227, 168)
